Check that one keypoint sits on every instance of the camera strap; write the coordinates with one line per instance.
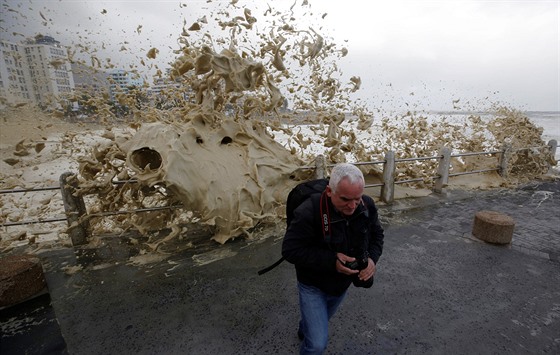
(325, 216)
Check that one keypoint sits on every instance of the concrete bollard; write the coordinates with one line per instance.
(443, 170)
(388, 188)
(505, 158)
(75, 208)
(320, 167)
(553, 146)
(21, 278)
(493, 227)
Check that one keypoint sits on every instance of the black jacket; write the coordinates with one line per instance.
(314, 255)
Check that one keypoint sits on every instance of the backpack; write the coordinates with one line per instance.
(297, 195)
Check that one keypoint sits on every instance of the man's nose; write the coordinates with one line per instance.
(352, 204)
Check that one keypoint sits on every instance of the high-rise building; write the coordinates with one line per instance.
(14, 74)
(36, 71)
(122, 80)
(39, 71)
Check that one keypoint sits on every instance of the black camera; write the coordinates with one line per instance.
(358, 264)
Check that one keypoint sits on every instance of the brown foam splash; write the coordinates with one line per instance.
(208, 142)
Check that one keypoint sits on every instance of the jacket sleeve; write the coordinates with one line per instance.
(376, 233)
(303, 243)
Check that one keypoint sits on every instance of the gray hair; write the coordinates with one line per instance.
(348, 171)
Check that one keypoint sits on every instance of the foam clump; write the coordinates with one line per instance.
(213, 151)
(232, 174)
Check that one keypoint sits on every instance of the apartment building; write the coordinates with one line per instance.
(38, 71)
(121, 81)
(14, 75)
(35, 71)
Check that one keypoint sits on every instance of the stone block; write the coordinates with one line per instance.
(21, 277)
(493, 227)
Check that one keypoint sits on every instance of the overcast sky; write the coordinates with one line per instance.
(409, 54)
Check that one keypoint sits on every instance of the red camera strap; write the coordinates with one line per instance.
(325, 216)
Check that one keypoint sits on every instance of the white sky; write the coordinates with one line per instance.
(409, 54)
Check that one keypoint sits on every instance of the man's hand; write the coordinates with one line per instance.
(341, 259)
(368, 272)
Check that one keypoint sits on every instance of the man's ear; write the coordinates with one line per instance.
(328, 191)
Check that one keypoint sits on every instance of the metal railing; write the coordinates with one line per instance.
(443, 171)
(75, 209)
(35, 221)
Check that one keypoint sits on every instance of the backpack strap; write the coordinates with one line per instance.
(325, 220)
(268, 268)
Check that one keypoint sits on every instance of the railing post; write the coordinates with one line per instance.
(504, 160)
(320, 166)
(388, 188)
(75, 208)
(553, 145)
(443, 170)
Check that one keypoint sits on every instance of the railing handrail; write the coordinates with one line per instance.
(386, 194)
(456, 155)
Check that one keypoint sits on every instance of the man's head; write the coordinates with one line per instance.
(346, 187)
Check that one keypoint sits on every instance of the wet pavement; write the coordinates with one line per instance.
(438, 290)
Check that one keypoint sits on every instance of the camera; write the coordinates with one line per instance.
(358, 264)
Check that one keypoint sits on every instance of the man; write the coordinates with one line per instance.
(328, 233)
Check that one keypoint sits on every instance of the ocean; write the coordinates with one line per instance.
(550, 123)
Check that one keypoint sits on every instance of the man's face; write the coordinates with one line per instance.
(347, 196)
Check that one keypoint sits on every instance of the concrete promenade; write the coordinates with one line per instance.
(438, 290)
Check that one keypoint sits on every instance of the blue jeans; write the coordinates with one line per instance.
(316, 309)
